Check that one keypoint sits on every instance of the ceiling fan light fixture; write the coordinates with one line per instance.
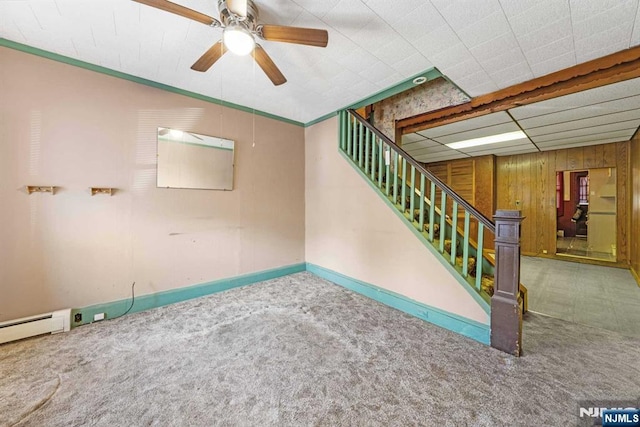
(238, 40)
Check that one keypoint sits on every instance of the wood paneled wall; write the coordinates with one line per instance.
(528, 182)
(634, 243)
(474, 180)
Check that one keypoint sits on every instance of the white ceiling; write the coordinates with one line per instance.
(481, 45)
(597, 116)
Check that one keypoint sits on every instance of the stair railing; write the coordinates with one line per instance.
(416, 188)
(434, 210)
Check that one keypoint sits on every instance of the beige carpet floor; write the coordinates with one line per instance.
(299, 351)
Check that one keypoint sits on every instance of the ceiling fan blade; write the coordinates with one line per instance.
(238, 7)
(209, 58)
(306, 36)
(268, 66)
(182, 11)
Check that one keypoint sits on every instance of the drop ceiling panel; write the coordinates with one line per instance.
(593, 130)
(628, 133)
(523, 142)
(547, 122)
(479, 133)
(580, 99)
(582, 144)
(594, 110)
(521, 149)
(412, 137)
(466, 125)
(441, 157)
(585, 124)
(430, 150)
(425, 143)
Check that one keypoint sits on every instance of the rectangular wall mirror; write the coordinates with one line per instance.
(190, 160)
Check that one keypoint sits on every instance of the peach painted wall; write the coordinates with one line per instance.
(350, 229)
(73, 128)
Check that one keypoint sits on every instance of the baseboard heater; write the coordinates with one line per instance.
(49, 323)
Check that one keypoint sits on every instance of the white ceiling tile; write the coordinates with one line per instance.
(478, 133)
(560, 146)
(517, 79)
(357, 60)
(412, 65)
(635, 35)
(279, 12)
(317, 8)
(587, 54)
(540, 16)
(413, 25)
(471, 79)
(394, 50)
(372, 37)
(462, 69)
(508, 146)
(591, 17)
(48, 15)
(516, 73)
(498, 145)
(617, 110)
(593, 96)
(507, 151)
(415, 143)
(514, 8)
(497, 46)
(601, 41)
(350, 16)
(491, 27)
(625, 133)
(480, 89)
(543, 53)
(432, 150)
(399, 10)
(10, 31)
(503, 60)
(540, 134)
(453, 59)
(553, 34)
(553, 64)
(386, 83)
(515, 151)
(452, 155)
(377, 71)
(466, 125)
(21, 13)
(547, 122)
(599, 25)
(436, 41)
(412, 137)
(464, 13)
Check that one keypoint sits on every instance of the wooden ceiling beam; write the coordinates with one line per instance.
(614, 68)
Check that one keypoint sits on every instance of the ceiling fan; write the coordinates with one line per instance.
(238, 18)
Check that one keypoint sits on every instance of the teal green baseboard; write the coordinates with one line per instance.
(145, 302)
(467, 327)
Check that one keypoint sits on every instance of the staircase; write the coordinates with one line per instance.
(443, 221)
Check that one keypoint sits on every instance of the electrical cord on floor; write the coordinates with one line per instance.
(133, 300)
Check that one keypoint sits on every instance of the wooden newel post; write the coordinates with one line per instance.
(506, 314)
